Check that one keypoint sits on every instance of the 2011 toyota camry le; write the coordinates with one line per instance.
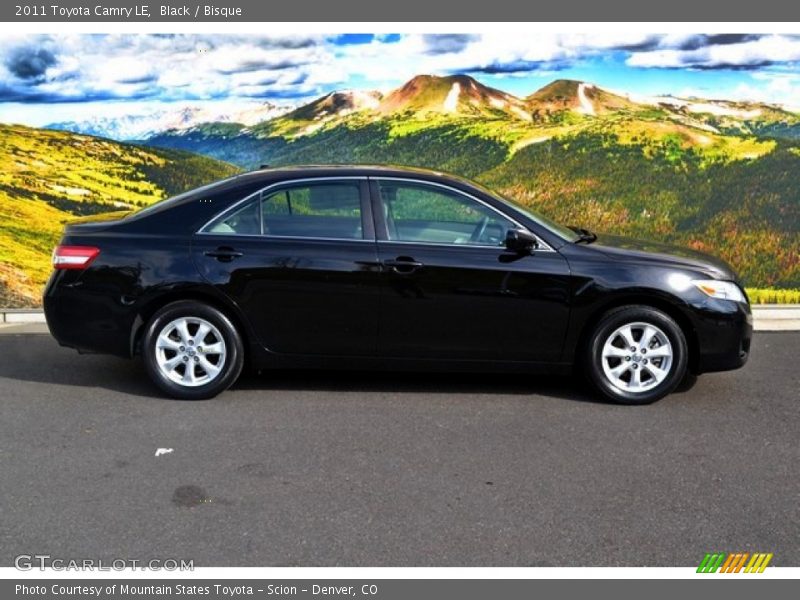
(369, 267)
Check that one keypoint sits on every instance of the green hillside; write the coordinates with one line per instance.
(745, 210)
(715, 175)
(49, 177)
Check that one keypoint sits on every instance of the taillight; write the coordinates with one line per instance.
(74, 257)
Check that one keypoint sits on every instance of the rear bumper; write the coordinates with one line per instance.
(86, 321)
(724, 331)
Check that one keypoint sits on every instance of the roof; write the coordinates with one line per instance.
(354, 170)
(276, 174)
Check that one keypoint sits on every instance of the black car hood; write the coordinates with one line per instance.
(624, 248)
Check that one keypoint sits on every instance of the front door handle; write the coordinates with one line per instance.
(403, 265)
(223, 254)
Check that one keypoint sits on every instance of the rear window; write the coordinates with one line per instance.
(174, 200)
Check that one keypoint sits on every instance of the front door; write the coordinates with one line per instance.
(300, 260)
(450, 288)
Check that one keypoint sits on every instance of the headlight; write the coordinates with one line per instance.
(724, 290)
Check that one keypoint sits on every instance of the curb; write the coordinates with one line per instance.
(21, 315)
(776, 317)
(766, 317)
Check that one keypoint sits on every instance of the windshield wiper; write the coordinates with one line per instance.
(584, 235)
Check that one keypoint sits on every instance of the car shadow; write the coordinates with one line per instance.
(431, 383)
(38, 359)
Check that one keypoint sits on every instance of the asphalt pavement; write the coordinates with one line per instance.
(373, 469)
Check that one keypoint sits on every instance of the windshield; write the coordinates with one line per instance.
(565, 233)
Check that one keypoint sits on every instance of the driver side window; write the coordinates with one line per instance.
(427, 214)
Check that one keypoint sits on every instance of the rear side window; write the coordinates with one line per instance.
(324, 210)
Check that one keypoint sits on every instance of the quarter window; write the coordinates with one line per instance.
(422, 213)
(245, 221)
(325, 210)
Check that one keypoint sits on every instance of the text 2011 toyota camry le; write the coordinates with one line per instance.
(388, 268)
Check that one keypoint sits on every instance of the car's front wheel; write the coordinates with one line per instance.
(636, 355)
(192, 351)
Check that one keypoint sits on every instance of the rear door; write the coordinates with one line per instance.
(450, 288)
(300, 260)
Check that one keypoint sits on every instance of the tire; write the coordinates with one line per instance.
(628, 376)
(184, 366)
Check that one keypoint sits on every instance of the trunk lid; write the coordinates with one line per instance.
(95, 222)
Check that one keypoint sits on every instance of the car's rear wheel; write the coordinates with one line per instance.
(636, 355)
(192, 351)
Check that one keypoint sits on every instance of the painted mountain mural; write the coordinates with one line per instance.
(715, 175)
(718, 176)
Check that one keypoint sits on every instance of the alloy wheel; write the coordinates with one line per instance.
(190, 351)
(637, 357)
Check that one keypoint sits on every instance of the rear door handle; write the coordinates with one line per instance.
(403, 265)
(223, 254)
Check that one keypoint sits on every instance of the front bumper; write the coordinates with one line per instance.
(724, 331)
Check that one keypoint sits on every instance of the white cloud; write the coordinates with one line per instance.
(49, 68)
(783, 90)
(747, 54)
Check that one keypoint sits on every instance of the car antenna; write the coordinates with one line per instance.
(263, 166)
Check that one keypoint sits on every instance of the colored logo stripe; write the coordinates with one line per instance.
(758, 563)
(741, 562)
(711, 562)
(733, 563)
(732, 558)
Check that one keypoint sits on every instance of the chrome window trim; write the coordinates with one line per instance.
(445, 244)
(287, 182)
(542, 246)
(267, 236)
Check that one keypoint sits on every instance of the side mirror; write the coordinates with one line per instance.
(521, 241)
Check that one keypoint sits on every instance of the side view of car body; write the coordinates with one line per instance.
(386, 268)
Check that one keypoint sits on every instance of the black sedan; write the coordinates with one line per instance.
(386, 268)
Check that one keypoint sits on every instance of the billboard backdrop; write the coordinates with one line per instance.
(692, 139)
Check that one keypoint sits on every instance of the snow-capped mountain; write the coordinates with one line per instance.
(455, 95)
(146, 125)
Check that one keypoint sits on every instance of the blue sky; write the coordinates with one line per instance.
(47, 78)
